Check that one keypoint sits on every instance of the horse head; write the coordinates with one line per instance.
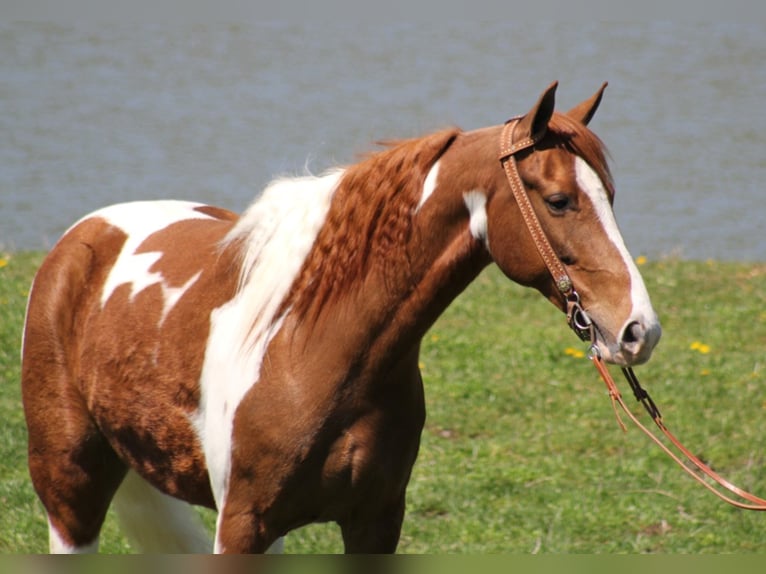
(567, 180)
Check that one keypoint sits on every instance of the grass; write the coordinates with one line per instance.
(521, 452)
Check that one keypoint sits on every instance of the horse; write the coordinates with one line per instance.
(265, 365)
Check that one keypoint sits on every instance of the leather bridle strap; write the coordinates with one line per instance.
(508, 149)
(755, 503)
(577, 319)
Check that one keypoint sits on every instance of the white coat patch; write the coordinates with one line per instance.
(278, 232)
(476, 202)
(428, 186)
(139, 220)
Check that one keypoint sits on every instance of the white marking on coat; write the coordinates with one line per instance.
(172, 295)
(139, 220)
(429, 185)
(277, 231)
(591, 184)
(476, 202)
(57, 545)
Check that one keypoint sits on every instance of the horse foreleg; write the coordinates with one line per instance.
(374, 534)
(244, 532)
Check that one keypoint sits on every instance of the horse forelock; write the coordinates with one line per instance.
(576, 138)
(369, 218)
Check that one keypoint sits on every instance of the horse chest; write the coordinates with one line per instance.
(327, 453)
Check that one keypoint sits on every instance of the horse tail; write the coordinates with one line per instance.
(154, 522)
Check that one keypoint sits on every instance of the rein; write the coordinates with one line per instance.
(581, 324)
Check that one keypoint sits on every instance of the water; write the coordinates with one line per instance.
(97, 115)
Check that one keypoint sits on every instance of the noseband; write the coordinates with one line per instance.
(583, 326)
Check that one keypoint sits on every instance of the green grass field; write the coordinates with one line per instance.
(521, 452)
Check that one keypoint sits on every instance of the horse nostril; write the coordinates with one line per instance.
(633, 333)
(638, 339)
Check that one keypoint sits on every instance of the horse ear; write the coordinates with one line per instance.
(535, 123)
(584, 111)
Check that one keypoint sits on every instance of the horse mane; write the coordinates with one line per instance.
(576, 138)
(272, 239)
(307, 239)
(369, 219)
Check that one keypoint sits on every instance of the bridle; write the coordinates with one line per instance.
(579, 321)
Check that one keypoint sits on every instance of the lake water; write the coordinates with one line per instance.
(97, 115)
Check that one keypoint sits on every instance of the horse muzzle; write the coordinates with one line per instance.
(634, 344)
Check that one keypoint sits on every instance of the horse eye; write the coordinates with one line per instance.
(557, 202)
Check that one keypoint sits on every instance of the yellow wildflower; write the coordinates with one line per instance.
(572, 352)
(700, 347)
(3, 262)
(641, 259)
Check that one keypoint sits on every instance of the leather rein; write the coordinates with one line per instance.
(583, 326)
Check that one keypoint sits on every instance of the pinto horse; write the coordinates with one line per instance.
(266, 365)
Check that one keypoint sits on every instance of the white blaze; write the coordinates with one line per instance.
(642, 311)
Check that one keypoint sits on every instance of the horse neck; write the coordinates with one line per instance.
(381, 319)
(412, 268)
(441, 269)
(447, 247)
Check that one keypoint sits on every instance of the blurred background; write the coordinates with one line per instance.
(99, 114)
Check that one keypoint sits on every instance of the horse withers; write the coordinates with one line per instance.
(266, 365)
